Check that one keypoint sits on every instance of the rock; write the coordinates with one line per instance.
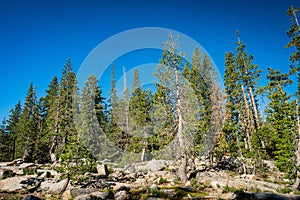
(153, 187)
(2, 164)
(102, 170)
(32, 197)
(75, 192)
(93, 196)
(129, 170)
(52, 187)
(26, 165)
(6, 173)
(153, 165)
(45, 172)
(16, 162)
(122, 193)
(31, 183)
(15, 169)
(12, 184)
(117, 186)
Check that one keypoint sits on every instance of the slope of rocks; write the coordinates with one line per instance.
(155, 179)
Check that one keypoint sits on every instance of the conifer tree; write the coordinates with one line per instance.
(280, 116)
(139, 108)
(5, 142)
(12, 127)
(27, 133)
(182, 98)
(115, 133)
(52, 115)
(294, 43)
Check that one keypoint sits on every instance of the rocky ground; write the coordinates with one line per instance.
(155, 179)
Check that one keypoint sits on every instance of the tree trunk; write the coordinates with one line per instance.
(256, 115)
(52, 150)
(145, 145)
(183, 165)
(25, 156)
(249, 117)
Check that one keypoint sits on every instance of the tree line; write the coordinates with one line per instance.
(187, 116)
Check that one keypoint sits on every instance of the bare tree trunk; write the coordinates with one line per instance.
(26, 150)
(249, 117)
(183, 165)
(256, 115)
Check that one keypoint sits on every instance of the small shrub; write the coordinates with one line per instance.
(285, 190)
(29, 171)
(158, 193)
(162, 181)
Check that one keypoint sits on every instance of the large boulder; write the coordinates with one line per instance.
(12, 184)
(53, 187)
(152, 165)
(75, 192)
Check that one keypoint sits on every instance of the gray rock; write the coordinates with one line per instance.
(93, 196)
(75, 192)
(102, 170)
(153, 165)
(121, 195)
(26, 165)
(12, 184)
(129, 170)
(52, 187)
(15, 169)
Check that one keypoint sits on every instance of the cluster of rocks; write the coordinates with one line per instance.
(155, 175)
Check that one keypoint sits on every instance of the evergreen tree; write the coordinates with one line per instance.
(5, 142)
(75, 158)
(162, 120)
(27, 134)
(182, 98)
(12, 127)
(139, 108)
(52, 116)
(294, 43)
(115, 133)
(280, 115)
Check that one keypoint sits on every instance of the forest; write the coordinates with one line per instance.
(188, 116)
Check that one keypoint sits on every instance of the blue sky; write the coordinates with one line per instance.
(37, 37)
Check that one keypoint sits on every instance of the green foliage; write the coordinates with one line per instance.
(280, 114)
(285, 190)
(76, 160)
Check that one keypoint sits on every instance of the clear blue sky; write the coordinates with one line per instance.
(36, 37)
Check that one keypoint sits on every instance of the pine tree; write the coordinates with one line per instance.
(294, 43)
(162, 120)
(75, 158)
(139, 108)
(12, 127)
(182, 98)
(52, 115)
(5, 142)
(280, 118)
(114, 132)
(27, 134)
